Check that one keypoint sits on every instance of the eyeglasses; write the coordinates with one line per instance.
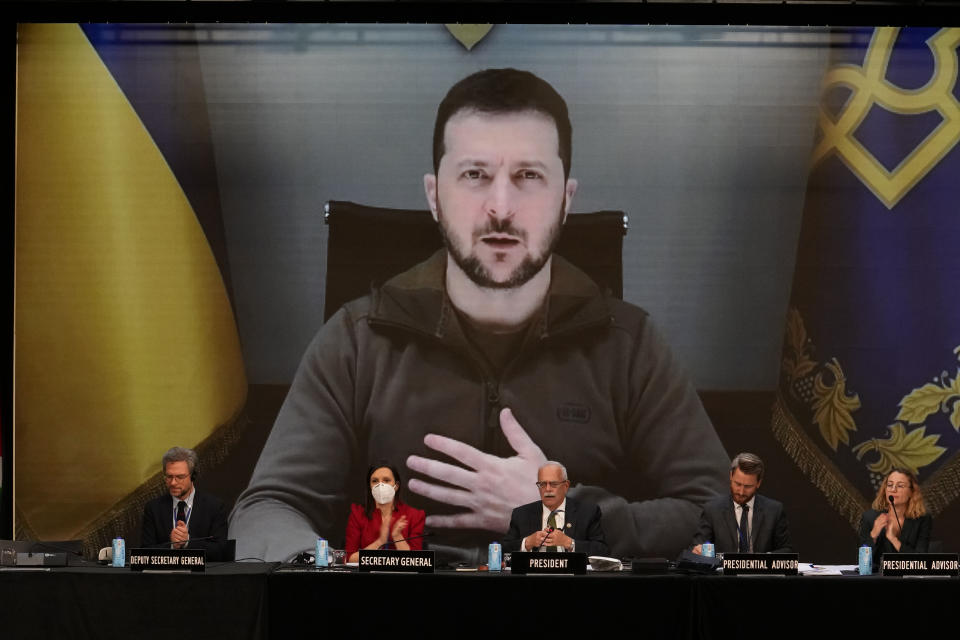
(898, 486)
(179, 478)
(553, 484)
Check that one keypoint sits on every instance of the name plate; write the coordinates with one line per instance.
(394, 560)
(760, 564)
(523, 562)
(920, 564)
(168, 559)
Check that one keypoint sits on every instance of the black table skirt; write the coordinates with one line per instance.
(227, 601)
(531, 606)
(262, 601)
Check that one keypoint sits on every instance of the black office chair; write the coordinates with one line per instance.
(368, 245)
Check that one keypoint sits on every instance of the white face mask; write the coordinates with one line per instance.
(383, 493)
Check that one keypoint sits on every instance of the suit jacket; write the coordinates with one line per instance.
(582, 523)
(914, 535)
(769, 532)
(207, 519)
(361, 530)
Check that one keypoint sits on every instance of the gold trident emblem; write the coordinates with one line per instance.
(869, 85)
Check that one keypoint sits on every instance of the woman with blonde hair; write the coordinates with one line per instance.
(898, 521)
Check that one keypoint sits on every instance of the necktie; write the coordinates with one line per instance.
(552, 524)
(745, 529)
(181, 511)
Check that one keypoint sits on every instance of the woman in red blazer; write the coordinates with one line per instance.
(385, 520)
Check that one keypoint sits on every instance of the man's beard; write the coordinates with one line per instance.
(530, 266)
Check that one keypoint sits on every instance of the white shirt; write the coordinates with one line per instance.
(738, 512)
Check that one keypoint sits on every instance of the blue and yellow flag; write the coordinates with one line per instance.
(870, 377)
(125, 338)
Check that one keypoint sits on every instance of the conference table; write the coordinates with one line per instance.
(269, 600)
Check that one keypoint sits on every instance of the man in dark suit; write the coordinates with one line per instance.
(744, 521)
(183, 517)
(556, 523)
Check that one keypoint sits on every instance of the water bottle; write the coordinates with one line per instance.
(494, 556)
(119, 552)
(320, 557)
(866, 560)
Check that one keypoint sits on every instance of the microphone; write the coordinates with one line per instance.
(747, 536)
(899, 524)
(389, 542)
(550, 529)
(168, 544)
(739, 531)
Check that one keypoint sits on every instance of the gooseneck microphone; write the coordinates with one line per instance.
(899, 524)
(553, 514)
(168, 544)
(389, 542)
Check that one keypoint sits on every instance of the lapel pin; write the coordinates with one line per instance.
(569, 525)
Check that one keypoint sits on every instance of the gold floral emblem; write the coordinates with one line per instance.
(905, 450)
(823, 388)
(832, 407)
(870, 87)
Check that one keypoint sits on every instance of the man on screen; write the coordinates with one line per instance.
(492, 355)
(744, 521)
(184, 517)
(556, 523)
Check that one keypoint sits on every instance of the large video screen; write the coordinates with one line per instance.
(792, 231)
